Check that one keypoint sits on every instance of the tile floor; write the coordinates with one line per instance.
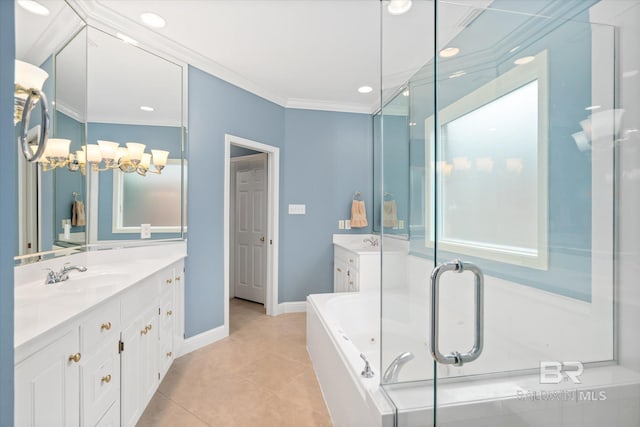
(260, 375)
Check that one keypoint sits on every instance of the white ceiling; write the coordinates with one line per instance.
(301, 54)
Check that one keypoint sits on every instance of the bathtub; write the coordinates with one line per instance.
(342, 326)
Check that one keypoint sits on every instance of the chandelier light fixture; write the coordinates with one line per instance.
(103, 156)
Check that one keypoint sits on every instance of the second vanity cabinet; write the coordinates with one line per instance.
(355, 270)
(103, 368)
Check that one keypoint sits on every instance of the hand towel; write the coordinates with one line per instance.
(77, 214)
(390, 214)
(358, 214)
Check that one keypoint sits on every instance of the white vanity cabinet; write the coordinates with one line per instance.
(346, 270)
(103, 367)
(355, 269)
(47, 384)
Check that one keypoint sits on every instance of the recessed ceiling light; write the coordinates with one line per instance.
(152, 20)
(449, 52)
(33, 7)
(398, 7)
(457, 74)
(514, 49)
(405, 92)
(592, 107)
(365, 89)
(524, 60)
(146, 108)
(126, 39)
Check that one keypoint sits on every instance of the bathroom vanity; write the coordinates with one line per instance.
(356, 262)
(92, 350)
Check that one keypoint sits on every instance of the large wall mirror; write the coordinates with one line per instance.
(55, 43)
(135, 143)
(119, 108)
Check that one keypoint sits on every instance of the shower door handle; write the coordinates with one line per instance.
(456, 358)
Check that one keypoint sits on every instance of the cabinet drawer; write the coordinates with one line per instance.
(102, 325)
(100, 382)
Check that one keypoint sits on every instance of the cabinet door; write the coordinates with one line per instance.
(149, 356)
(131, 375)
(353, 279)
(111, 418)
(100, 382)
(47, 385)
(339, 275)
(167, 325)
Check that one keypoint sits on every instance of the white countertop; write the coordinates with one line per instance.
(40, 308)
(356, 243)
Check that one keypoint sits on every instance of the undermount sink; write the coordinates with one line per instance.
(87, 282)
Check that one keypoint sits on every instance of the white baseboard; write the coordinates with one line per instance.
(205, 338)
(292, 307)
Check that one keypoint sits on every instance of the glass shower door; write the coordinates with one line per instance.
(521, 205)
(513, 126)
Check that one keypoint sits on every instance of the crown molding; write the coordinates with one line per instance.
(105, 19)
(314, 104)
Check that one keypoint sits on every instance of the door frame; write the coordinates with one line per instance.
(273, 200)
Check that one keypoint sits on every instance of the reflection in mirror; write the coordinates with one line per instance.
(134, 156)
(392, 126)
(41, 41)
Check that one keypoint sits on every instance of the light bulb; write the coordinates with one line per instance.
(93, 153)
(136, 150)
(146, 161)
(108, 149)
(160, 157)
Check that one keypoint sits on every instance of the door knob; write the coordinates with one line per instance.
(262, 239)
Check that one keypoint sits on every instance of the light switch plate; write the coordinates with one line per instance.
(297, 209)
(145, 231)
(401, 224)
(347, 224)
(341, 224)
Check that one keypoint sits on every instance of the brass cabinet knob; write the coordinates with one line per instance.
(149, 327)
(169, 281)
(75, 357)
(339, 269)
(177, 278)
(145, 331)
(351, 260)
(170, 354)
(106, 379)
(169, 312)
(262, 239)
(105, 326)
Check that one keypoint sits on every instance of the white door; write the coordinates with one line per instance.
(250, 229)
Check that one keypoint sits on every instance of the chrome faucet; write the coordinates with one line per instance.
(392, 372)
(63, 274)
(367, 372)
(372, 241)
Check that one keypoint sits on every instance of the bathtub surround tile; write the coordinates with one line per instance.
(260, 375)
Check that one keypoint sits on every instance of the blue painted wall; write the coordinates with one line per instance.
(8, 209)
(215, 108)
(159, 137)
(325, 157)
